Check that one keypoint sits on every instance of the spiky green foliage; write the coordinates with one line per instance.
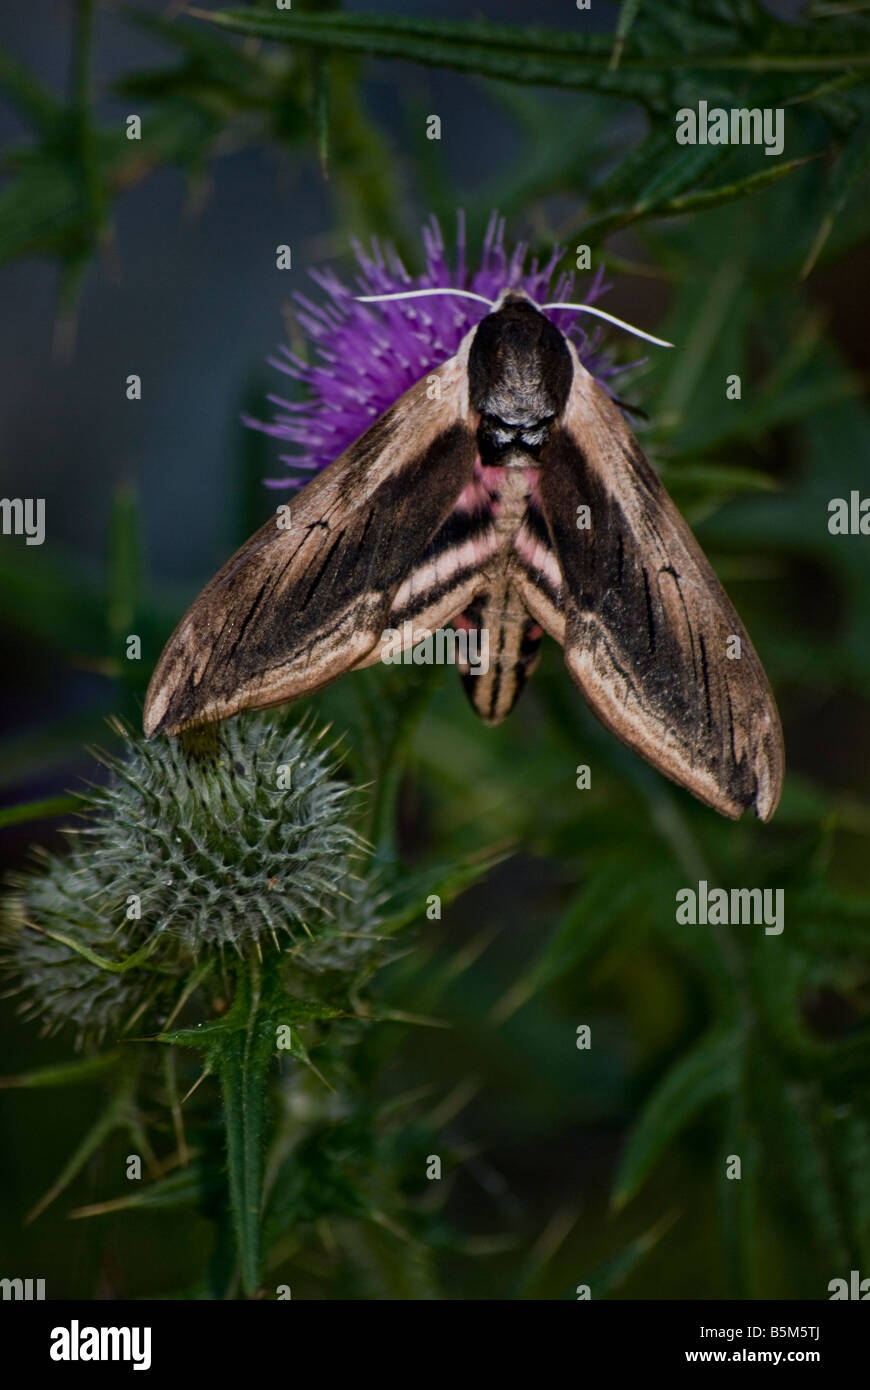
(214, 877)
(300, 92)
(183, 854)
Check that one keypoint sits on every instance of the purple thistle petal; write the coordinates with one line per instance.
(363, 357)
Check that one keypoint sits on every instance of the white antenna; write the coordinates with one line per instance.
(610, 318)
(491, 303)
(418, 294)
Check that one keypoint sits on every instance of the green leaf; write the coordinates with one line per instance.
(241, 1064)
(779, 977)
(702, 200)
(701, 334)
(321, 77)
(362, 164)
(488, 50)
(579, 934)
(627, 15)
(192, 1185)
(718, 479)
(706, 1073)
(850, 1148)
(611, 1274)
(321, 1177)
(239, 1049)
(34, 102)
(93, 193)
(124, 565)
(225, 63)
(410, 891)
(39, 810)
(852, 163)
(654, 170)
(114, 967)
(116, 1115)
(530, 54)
(39, 210)
(63, 1073)
(740, 1201)
(783, 1112)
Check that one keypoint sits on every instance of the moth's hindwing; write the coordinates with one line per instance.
(296, 607)
(650, 637)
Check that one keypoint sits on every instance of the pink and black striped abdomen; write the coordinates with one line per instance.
(509, 634)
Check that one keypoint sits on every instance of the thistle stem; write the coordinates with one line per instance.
(242, 1068)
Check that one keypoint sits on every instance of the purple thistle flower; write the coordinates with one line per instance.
(365, 356)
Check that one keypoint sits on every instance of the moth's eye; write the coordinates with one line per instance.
(497, 428)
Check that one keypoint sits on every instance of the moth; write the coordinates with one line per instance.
(513, 498)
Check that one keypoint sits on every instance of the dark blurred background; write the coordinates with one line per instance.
(185, 293)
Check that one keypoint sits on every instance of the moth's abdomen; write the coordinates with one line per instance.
(511, 642)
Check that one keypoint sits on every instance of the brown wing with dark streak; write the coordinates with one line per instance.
(297, 607)
(650, 636)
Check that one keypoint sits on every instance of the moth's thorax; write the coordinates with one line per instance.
(519, 376)
(508, 485)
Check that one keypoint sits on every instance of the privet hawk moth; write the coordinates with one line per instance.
(462, 506)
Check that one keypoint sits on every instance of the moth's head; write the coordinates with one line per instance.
(519, 366)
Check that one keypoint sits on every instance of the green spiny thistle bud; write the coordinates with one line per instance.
(187, 851)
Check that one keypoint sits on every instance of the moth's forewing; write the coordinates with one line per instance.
(650, 636)
(537, 572)
(445, 578)
(298, 605)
